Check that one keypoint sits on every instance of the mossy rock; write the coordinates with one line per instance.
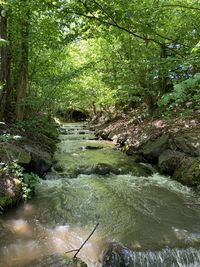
(116, 255)
(57, 260)
(104, 169)
(58, 168)
(169, 160)
(14, 152)
(188, 142)
(153, 149)
(188, 171)
(10, 190)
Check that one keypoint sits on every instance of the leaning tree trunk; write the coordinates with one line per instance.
(163, 77)
(22, 82)
(4, 71)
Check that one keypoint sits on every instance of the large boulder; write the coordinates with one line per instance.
(188, 171)
(41, 161)
(169, 160)
(39, 165)
(13, 152)
(188, 142)
(153, 149)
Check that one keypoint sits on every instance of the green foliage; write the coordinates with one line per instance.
(102, 55)
(14, 169)
(4, 201)
(3, 42)
(38, 125)
(183, 92)
(27, 181)
(8, 137)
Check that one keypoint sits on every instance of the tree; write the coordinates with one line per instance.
(5, 63)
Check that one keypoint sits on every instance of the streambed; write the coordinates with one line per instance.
(154, 216)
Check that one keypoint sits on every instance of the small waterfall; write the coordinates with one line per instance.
(189, 257)
(117, 256)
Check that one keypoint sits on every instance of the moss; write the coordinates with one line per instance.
(15, 152)
(75, 262)
(57, 260)
(5, 201)
(153, 149)
(194, 171)
(188, 171)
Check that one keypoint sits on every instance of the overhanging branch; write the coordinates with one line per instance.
(182, 6)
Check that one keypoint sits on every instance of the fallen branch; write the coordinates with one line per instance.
(79, 249)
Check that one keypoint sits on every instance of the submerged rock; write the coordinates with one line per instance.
(91, 147)
(99, 169)
(104, 169)
(56, 260)
(58, 168)
(117, 255)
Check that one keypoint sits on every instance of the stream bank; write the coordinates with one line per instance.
(171, 145)
(26, 151)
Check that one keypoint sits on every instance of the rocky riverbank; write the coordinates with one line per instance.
(23, 150)
(171, 145)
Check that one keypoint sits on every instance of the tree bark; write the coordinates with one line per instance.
(22, 82)
(4, 71)
(163, 78)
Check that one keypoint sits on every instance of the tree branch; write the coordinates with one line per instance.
(105, 11)
(79, 249)
(181, 6)
(119, 27)
(113, 22)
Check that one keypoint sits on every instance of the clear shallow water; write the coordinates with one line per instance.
(149, 215)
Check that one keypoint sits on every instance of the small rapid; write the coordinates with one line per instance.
(155, 219)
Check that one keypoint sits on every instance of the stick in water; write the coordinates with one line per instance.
(79, 249)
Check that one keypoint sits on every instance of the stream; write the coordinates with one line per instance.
(156, 218)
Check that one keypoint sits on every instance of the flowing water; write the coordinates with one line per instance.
(156, 218)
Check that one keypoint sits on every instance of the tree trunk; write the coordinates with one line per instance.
(163, 78)
(22, 82)
(4, 71)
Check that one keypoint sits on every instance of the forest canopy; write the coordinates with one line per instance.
(96, 56)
